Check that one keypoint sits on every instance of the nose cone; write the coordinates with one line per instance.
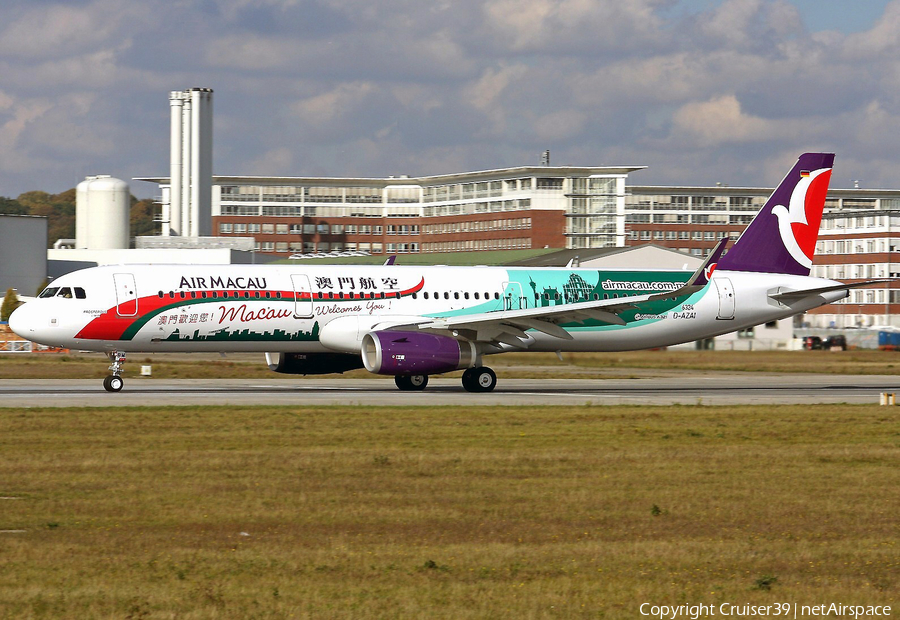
(18, 322)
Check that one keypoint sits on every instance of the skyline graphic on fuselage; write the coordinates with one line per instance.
(247, 335)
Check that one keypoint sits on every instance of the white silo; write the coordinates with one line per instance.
(102, 213)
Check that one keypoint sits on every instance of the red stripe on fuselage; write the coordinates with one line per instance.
(111, 326)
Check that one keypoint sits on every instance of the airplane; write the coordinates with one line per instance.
(415, 321)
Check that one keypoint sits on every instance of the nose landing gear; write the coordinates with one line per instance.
(114, 382)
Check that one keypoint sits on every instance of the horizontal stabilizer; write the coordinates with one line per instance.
(789, 296)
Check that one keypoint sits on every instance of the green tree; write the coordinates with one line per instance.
(142, 214)
(59, 209)
(10, 303)
(11, 206)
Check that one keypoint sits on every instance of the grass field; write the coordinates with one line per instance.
(444, 513)
(512, 365)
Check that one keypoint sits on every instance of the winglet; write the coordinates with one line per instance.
(390, 259)
(702, 276)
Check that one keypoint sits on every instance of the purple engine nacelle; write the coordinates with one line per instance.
(414, 353)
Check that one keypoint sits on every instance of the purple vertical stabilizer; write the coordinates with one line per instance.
(782, 236)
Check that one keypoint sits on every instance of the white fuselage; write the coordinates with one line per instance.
(168, 308)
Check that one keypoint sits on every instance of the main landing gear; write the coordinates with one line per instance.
(481, 379)
(114, 382)
(411, 383)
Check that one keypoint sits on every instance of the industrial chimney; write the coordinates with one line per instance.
(190, 157)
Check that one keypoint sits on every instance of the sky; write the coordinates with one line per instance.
(700, 91)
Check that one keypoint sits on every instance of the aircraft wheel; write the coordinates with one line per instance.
(410, 383)
(469, 381)
(479, 379)
(113, 383)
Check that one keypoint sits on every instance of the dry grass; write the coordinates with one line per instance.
(514, 365)
(443, 513)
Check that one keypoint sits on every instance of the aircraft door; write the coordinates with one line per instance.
(726, 298)
(303, 307)
(512, 296)
(126, 294)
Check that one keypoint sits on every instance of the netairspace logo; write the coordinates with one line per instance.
(788, 610)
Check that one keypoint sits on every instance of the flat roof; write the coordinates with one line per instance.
(495, 175)
(727, 190)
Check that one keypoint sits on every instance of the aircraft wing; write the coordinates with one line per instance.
(509, 326)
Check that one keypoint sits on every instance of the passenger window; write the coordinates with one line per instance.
(425, 295)
(455, 295)
(79, 293)
(49, 292)
(476, 295)
(446, 295)
(496, 295)
(466, 295)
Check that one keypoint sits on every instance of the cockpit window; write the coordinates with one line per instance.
(79, 293)
(50, 291)
(65, 292)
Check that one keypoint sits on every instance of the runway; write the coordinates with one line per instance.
(688, 388)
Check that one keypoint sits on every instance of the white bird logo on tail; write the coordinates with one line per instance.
(799, 222)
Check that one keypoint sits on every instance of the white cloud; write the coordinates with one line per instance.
(354, 87)
(717, 122)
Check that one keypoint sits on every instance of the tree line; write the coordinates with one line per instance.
(59, 209)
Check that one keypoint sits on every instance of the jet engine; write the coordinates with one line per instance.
(394, 352)
(312, 363)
